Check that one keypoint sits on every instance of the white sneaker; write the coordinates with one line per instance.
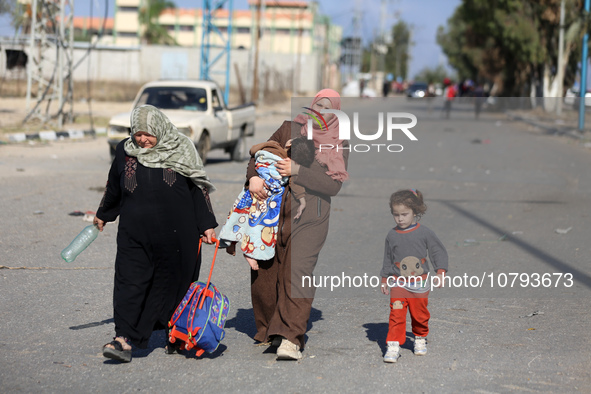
(288, 351)
(420, 346)
(393, 352)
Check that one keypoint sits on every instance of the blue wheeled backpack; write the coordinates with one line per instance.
(199, 319)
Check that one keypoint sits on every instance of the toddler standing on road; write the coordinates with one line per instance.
(405, 272)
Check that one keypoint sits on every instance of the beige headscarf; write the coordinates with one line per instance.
(173, 149)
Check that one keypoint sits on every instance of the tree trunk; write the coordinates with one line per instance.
(550, 89)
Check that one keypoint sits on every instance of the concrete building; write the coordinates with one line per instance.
(287, 26)
(299, 48)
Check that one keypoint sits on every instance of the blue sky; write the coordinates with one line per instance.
(423, 15)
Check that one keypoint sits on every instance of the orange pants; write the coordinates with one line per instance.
(419, 315)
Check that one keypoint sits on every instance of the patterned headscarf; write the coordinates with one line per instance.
(173, 150)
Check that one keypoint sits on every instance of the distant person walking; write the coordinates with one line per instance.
(386, 88)
(478, 94)
(449, 92)
(361, 86)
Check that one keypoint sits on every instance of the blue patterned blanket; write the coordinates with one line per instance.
(253, 223)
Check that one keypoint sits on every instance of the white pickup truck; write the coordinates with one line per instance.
(198, 110)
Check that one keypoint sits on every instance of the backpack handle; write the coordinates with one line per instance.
(215, 253)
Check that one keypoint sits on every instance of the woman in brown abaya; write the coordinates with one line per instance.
(281, 305)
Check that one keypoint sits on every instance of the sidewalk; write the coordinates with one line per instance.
(13, 112)
(564, 125)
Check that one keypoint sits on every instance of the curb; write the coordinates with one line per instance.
(50, 135)
(272, 112)
(566, 131)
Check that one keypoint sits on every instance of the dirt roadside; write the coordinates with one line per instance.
(14, 109)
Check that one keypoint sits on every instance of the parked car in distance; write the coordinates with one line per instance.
(198, 110)
(572, 97)
(417, 90)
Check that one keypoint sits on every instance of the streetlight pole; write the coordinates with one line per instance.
(583, 89)
(254, 94)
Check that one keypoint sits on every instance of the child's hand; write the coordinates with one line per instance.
(440, 275)
(254, 265)
(385, 288)
(287, 167)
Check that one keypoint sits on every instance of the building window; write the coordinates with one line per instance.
(127, 34)
(128, 9)
(243, 30)
(282, 32)
(186, 28)
(168, 27)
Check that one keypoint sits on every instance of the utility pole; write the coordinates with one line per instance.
(373, 49)
(408, 46)
(326, 59)
(383, 49)
(263, 23)
(583, 89)
(51, 56)
(560, 74)
(255, 74)
(209, 31)
(351, 49)
(298, 67)
(357, 51)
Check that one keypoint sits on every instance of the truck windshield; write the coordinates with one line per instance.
(173, 97)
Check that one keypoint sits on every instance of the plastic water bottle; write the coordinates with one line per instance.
(81, 242)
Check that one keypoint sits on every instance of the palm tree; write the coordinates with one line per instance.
(153, 32)
(19, 14)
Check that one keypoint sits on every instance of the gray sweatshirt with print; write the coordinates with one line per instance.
(416, 247)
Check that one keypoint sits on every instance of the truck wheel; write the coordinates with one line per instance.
(203, 146)
(238, 152)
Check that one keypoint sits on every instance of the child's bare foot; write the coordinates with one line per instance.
(252, 262)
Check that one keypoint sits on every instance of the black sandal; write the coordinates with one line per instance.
(117, 352)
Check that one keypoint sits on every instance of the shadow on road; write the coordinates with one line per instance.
(244, 321)
(578, 275)
(93, 324)
(377, 332)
